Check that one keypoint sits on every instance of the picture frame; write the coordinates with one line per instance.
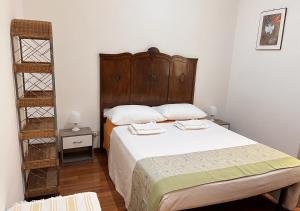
(271, 29)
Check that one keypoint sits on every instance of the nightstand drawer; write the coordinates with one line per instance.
(77, 141)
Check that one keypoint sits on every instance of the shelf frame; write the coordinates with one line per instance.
(33, 65)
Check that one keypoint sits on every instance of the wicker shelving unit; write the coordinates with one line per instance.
(33, 65)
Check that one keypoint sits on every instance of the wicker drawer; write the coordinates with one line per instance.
(77, 141)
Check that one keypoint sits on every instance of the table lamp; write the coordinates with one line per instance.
(75, 119)
(213, 112)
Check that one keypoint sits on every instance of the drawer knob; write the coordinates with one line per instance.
(77, 142)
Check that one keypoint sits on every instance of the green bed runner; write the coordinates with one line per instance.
(154, 177)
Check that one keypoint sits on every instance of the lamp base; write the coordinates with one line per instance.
(75, 129)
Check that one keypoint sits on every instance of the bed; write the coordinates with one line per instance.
(153, 78)
(87, 201)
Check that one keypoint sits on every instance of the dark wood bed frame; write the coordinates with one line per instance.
(145, 78)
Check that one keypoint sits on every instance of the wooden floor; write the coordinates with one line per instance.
(93, 176)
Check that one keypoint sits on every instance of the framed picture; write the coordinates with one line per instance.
(271, 29)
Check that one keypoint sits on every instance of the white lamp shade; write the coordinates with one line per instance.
(74, 117)
(213, 110)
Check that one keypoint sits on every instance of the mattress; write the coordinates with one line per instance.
(126, 150)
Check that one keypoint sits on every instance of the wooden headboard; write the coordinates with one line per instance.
(146, 78)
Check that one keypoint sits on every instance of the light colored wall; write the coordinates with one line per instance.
(11, 187)
(264, 95)
(261, 101)
(192, 28)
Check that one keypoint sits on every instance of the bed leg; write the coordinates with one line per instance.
(282, 196)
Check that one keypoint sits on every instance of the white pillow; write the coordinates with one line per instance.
(129, 114)
(106, 111)
(181, 111)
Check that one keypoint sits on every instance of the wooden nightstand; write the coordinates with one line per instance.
(76, 145)
(222, 123)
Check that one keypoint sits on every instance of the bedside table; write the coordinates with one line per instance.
(76, 145)
(222, 123)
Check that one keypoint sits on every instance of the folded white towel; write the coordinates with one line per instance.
(146, 126)
(191, 125)
(193, 122)
(145, 129)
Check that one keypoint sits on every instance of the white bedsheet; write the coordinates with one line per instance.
(126, 149)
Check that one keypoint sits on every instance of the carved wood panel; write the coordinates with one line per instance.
(182, 80)
(115, 80)
(150, 76)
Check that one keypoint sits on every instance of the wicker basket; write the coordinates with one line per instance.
(36, 102)
(38, 128)
(41, 156)
(25, 135)
(33, 68)
(42, 182)
(31, 29)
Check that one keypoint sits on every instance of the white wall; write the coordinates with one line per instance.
(262, 100)
(11, 187)
(192, 28)
(264, 94)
